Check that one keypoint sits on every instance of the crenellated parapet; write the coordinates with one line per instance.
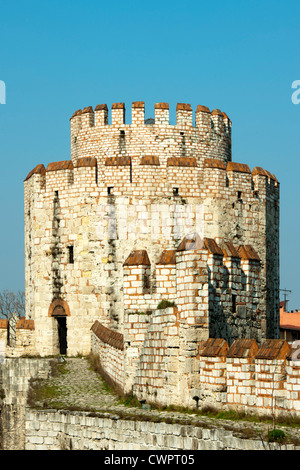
(190, 159)
(148, 175)
(99, 116)
(96, 132)
(225, 277)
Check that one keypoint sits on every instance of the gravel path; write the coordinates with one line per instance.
(78, 386)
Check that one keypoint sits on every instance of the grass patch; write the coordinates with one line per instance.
(277, 435)
(40, 392)
(165, 304)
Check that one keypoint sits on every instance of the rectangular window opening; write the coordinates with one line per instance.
(175, 191)
(233, 303)
(71, 254)
(110, 190)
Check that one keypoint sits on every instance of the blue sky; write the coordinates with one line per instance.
(59, 56)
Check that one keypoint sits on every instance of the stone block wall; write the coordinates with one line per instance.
(261, 380)
(15, 374)
(165, 363)
(64, 430)
(109, 346)
(21, 343)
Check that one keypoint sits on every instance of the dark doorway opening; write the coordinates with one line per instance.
(62, 334)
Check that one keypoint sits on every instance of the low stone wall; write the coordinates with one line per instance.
(63, 430)
(23, 344)
(15, 374)
(109, 346)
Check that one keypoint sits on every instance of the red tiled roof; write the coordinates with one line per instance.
(212, 246)
(25, 324)
(247, 252)
(214, 163)
(149, 160)
(191, 242)
(137, 258)
(168, 257)
(239, 167)
(3, 323)
(273, 349)
(85, 162)
(117, 161)
(243, 348)
(182, 161)
(63, 165)
(289, 320)
(38, 170)
(215, 347)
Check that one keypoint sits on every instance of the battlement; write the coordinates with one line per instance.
(151, 157)
(150, 175)
(99, 116)
(96, 132)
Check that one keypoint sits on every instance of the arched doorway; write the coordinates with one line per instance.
(59, 310)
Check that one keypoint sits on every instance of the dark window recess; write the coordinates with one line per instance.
(71, 254)
(239, 194)
(122, 134)
(56, 194)
(175, 191)
(110, 190)
(146, 281)
(233, 303)
(130, 171)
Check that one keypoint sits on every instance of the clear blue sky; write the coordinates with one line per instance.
(59, 56)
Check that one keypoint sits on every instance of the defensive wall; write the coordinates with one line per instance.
(64, 430)
(25, 428)
(160, 367)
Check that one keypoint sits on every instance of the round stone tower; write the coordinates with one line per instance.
(130, 193)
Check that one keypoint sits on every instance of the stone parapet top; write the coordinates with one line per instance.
(108, 336)
(240, 167)
(86, 162)
(62, 165)
(210, 164)
(271, 349)
(137, 258)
